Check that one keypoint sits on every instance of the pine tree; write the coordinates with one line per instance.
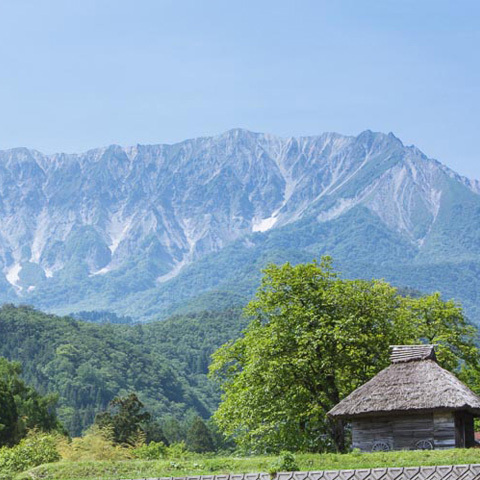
(126, 416)
(199, 439)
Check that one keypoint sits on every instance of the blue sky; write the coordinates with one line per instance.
(80, 74)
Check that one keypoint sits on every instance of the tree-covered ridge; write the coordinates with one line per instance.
(89, 364)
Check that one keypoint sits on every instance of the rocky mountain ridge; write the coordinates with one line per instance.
(83, 231)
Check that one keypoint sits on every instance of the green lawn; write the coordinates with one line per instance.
(134, 469)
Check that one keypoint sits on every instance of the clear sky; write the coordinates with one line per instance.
(80, 74)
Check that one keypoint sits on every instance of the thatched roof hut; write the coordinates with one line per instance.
(413, 403)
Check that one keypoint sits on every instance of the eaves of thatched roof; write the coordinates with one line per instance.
(408, 386)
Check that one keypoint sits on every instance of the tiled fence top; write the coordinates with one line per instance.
(450, 472)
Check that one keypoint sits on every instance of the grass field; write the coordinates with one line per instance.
(135, 469)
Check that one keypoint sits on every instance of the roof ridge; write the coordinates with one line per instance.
(411, 353)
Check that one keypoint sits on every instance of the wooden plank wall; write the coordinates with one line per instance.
(367, 431)
(403, 432)
(444, 430)
(409, 430)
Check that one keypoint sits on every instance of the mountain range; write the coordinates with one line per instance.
(151, 230)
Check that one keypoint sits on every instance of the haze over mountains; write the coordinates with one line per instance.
(151, 230)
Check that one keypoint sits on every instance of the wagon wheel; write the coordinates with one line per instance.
(381, 447)
(424, 445)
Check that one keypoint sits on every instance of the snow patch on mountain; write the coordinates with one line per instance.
(264, 224)
(48, 272)
(101, 271)
(12, 275)
(117, 231)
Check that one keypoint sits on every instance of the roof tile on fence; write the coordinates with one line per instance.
(410, 472)
(300, 475)
(331, 474)
(346, 475)
(316, 475)
(394, 473)
(362, 474)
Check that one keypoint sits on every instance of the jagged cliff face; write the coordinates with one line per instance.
(94, 218)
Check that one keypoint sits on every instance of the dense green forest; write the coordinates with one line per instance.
(89, 364)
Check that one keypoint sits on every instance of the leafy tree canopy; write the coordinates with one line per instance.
(313, 338)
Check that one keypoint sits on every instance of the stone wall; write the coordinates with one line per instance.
(450, 472)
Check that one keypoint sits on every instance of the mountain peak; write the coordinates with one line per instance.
(236, 133)
(395, 138)
(130, 220)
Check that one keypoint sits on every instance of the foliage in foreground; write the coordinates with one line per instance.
(313, 338)
(22, 407)
(95, 456)
(286, 462)
(97, 445)
(35, 449)
(207, 465)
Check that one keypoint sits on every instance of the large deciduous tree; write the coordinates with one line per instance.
(313, 338)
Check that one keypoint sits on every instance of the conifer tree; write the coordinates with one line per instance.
(8, 417)
(199, 439)
(126, 416)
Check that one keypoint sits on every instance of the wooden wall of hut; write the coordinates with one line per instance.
(405, 432)
(464, 430)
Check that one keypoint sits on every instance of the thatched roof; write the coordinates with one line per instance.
(409, 384)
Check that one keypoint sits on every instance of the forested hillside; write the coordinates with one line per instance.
(88, 364)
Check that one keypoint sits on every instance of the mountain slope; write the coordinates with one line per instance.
(87, 365)
(149, 230)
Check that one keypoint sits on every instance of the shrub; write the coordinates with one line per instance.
(152, 451)
(177, 451)
(35, 449)
(284, 463)
(96, 444)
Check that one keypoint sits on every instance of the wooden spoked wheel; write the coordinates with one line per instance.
(381, 447)
(424, 445)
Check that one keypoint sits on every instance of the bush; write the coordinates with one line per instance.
(284, 463)
(35, 449)
(152, 451)
(178, 451)
(96, 444)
